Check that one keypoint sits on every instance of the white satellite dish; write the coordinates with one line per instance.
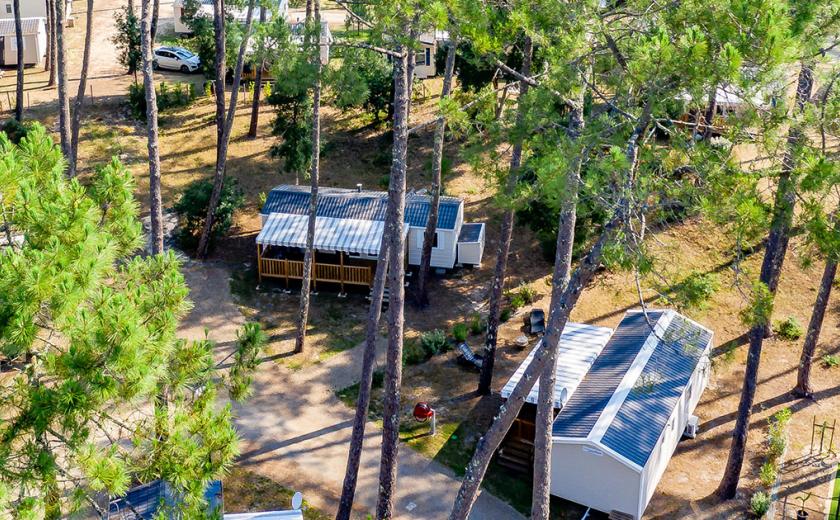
(297, 500)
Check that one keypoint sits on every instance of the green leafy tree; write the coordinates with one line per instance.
(88, 342)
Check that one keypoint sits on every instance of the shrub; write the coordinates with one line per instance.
(528, 293)
(517, 301)
(782, 417)
(695, 290)
(789, 329)
(182, 95)
(433, 342)
(460, 332)
(477, 325)
(193, 204)
(760, 503)
(413, 353)
(505, 315)
(769, 472)
(830, 361)
(15, 130)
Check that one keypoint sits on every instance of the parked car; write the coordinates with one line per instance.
(175, 58)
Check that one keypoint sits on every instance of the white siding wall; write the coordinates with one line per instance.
(34, 48)
(597, 481)
(658, 462)
(442, 256)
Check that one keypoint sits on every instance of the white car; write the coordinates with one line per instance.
(175, 58)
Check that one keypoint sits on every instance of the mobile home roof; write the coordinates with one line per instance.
(626, 399)
(360, 205)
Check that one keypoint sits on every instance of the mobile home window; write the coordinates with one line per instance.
(8, 8)
(420, 238)
(420, 58)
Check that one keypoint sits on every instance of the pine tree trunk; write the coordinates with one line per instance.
(255, 104)
(152, 130)
(224, 124)
(541, 497)
(396, 268)
(51, 47)
(63, 100)
(559, 311)
(485, 380)
(357, 437)
(711, 111)
(437, 171)
(303, 311)
(803, 378)
(770, 270)
(48, 28)
(155, 17)
(19, 43)
(79, 102)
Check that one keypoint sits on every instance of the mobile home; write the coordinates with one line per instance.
(31, 9)
(618, 426)
(206, 9)
(348, 232)
(34, 41)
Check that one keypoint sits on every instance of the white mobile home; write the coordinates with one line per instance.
(424, 58)
(349, 226)
(31, 9)
(34, 41)
(614, 437)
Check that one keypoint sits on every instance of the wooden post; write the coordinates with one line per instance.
(341, 270)
(314, 272)
(286, 271)
(259, 262)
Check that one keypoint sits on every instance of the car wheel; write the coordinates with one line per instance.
(185, 69)
(155, 65)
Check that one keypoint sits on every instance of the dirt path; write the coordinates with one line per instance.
(295, 430)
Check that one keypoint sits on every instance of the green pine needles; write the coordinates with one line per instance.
(96, 391)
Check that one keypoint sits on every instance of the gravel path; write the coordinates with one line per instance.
(294, 428)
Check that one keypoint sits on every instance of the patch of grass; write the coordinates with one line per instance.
(830, 361)
(243, 283)
(246, 491)
(835, 496)
(350, 394)
(340, 343)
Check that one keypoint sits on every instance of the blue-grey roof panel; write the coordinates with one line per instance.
(470, 232)
(360, 205)
(583, 409)
(644, 414)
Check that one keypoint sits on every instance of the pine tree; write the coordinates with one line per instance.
(88, 338)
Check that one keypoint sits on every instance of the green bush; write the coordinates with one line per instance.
(521, 296)
(517, 301)
(782, 417)
(477, 325)
(460, 332)
(413, 353)
(433, 342)
(760, 503)
(769, 472)
(695, 290)
(789, 329)
(15, 130)
(192, 208)
(830, 361)
(181, 95)
(505, 315)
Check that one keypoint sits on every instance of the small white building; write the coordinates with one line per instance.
(325, 43)
(34, 41)
(206, 9)
(424, 58)
(615, 434)
(31, 9)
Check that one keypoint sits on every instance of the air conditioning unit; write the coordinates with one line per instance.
(691, 427)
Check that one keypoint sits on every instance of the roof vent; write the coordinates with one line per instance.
(359, 187)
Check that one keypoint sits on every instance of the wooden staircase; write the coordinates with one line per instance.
(516, 455)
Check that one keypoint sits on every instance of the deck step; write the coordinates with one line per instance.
(618, 515)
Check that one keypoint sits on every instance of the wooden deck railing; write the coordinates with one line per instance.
(293, 270)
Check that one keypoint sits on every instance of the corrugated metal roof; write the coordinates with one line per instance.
(331, 234)
(365, 205)
(471, 232)
(579, 346)
(644, 414)
(582, 411)
(27, 25)
(144, 502)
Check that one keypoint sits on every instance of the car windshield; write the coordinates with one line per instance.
(185, 54)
